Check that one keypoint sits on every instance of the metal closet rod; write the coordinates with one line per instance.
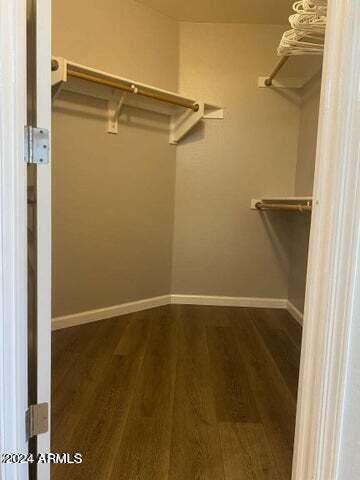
(278, 67)
(137, 90)
(289, 207)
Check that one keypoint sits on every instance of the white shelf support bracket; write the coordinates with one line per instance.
(114, 109)
(59, 76)
(254, 201)
(182, 124)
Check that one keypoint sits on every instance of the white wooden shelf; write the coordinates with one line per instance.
(119, 91)
(290, 82)
(281, 200)
(293, 72)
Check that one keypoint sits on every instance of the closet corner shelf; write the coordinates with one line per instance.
(288, 82)
(298, 204)
(184, 112)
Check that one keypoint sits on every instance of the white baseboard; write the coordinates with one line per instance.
(148, 303)
(109, 312)
(229, 301)
(295, 312)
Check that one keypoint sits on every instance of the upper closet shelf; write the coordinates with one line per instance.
(299, 204)
(305, 38)
(301, 73)
(184, 112)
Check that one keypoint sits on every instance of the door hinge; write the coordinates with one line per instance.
(36, 145)
(37, 419)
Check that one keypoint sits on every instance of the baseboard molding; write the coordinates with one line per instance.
(295, 312)
(148, 303)
(229, 301)
(109, 312)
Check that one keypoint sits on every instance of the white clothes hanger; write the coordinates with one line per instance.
(308, 29)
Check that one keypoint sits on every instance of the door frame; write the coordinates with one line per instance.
(333, 252)
(44, 263)
(13, 233)
(334, 243)
(13, 236)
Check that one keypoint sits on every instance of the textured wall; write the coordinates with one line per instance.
(113, 204)
(300, 224)
(113, 194)
(221, 247)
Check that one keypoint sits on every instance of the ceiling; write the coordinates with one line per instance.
(224, 11)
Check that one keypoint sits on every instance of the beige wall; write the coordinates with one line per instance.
(114, 234)
(309, 115)
(121, 35)
(221, 247)
(300, 226)
(113, 194)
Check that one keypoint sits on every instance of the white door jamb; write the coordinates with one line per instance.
(334, 244)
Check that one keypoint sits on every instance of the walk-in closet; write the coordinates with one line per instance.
(184, 144)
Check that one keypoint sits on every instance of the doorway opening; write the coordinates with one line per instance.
(183, 166)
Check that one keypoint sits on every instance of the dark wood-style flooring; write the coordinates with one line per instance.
(177, 393)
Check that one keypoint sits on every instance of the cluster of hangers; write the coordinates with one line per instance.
(308, 26)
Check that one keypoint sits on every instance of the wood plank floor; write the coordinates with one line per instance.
(177, 393)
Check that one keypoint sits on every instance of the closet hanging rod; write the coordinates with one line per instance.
(290, 207)
(134, 89)
(269, 80)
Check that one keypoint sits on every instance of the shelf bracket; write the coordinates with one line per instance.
(182, 124)
(114, 109)
(58, 76)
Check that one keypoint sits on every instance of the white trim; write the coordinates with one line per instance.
(44, 225)
(148, 303)
(13, 237)
(295, 312)
(109, 312)
(334, 242)
(229, 301)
